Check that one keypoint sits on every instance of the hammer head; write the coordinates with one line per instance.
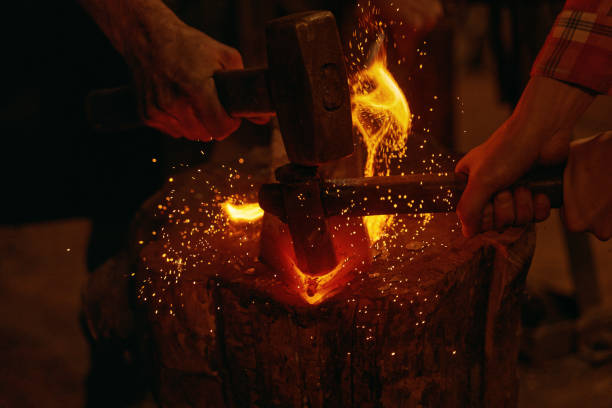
(309, 87)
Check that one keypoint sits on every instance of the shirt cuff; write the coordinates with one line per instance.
(578, 50)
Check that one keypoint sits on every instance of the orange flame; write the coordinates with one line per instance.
(382, 116)
(248, 212)
(351, 246)
(313, 289)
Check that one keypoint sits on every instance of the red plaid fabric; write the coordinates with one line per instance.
(578, 49)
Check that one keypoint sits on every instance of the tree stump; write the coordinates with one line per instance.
(431, 320)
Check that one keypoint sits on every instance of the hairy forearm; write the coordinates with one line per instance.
(548, 106)
(132, 25)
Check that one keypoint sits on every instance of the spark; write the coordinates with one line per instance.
(191, 224)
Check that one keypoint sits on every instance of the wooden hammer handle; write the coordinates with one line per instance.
(243, 94)
(547, 181)
(419, 193)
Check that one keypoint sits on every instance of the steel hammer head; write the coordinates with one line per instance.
(309, 87)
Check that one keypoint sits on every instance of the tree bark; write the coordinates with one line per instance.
(433, 321)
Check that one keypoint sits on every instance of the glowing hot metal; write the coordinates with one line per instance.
(248, 212)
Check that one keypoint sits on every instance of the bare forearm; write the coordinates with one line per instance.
(548, 106)
(172, 67)
(132, 25)
(539, 131)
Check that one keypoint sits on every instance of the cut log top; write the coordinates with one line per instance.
(430, 320)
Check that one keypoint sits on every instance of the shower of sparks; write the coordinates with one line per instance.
(382, 116)
(380, 110)
(191, 225)
(192, 222)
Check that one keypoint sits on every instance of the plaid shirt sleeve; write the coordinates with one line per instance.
(578, 49)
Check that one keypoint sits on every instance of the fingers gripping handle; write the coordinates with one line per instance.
(242, 93)
(541, 180)
(431, 192)
(547, 181)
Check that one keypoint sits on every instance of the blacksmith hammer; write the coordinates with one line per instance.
(306, 86)
(411, 194)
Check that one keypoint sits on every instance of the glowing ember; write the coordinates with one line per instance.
(248, 212)
(351, 245)
(382, 116)
(314, 289)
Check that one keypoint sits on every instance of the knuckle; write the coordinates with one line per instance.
(603, 232)
(543, 215)
(600, 236)
(523, 206)
(487, 218)
(571, 222)
(504, 199)
(489, 180)
(541, 204)
(231, 57)
(504, 210)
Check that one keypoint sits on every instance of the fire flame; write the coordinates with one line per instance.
(351, 246)
(382, 116)
(248, 212)
(314, 289)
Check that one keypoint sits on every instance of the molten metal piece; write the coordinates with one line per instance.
(351, 244)
(242, 212)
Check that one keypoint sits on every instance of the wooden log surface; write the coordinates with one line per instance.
(432, 321)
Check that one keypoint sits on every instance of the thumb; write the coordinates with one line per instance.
(230, 58)
(473, 200)
(463, 165)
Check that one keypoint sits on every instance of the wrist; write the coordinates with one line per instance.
(548, 106)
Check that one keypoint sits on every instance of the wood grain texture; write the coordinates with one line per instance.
(432, 322)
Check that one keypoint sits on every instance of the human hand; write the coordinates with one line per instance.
(538, 132)
(587, 186)
(173, 74)
(172, 65)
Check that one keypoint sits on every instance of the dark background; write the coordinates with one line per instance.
(68, 194)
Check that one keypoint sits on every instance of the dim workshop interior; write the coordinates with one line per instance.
(310, 255)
